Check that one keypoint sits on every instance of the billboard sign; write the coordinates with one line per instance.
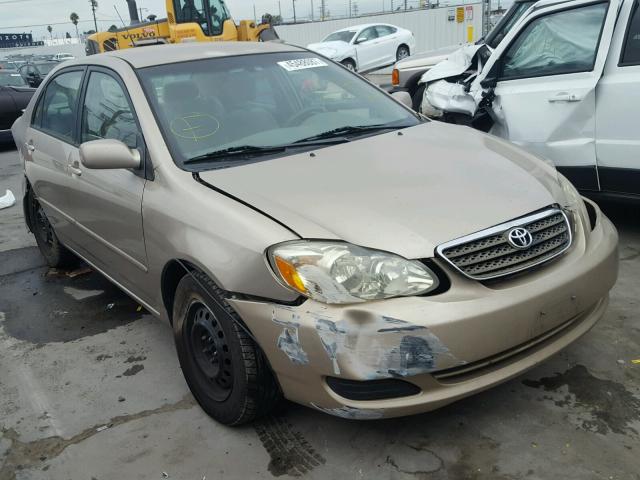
(9, 40)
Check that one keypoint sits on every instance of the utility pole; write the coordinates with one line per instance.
(405, 5)
(255, 19)
(349, 8)
(94, 5)
(312, 10)
(279, 10)
(293, 2)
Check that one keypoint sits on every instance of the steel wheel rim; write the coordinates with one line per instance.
(403, 53)
(209, 350)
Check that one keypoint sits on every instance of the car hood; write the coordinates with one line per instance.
(401, 193)
(330, 49)
(426, 59)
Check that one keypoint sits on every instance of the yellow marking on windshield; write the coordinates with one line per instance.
(194, 126)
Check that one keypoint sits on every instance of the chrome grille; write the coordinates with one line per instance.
(489, 254)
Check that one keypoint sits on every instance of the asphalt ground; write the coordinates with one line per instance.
(90, 388)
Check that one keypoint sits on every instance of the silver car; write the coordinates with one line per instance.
(306, 235)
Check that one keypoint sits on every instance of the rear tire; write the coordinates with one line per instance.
(224, 368)
(349, 64)
(402, 52)
(56, 255)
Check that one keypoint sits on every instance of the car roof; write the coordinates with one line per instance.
(162, 54)
(363, 26)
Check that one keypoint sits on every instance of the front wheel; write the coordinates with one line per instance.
(402, 52)
(349, 64)
(224, 368)
(416, 98)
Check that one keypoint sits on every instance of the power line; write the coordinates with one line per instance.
(44, 24)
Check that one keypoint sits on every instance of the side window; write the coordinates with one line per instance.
(107, 113)
(558, 43)
(631, 49)
(383, 30)
(57, 109)
(367, 34)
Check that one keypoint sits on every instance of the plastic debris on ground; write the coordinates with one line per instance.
(7, 200)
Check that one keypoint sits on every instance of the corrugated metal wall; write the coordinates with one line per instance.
(431, 28)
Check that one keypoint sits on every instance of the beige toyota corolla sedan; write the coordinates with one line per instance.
(305, 234)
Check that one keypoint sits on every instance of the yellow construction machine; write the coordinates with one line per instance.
(187, 21)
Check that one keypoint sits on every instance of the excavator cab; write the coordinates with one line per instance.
(209, 14)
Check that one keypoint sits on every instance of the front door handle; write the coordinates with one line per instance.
(564, 97)
(74, 168)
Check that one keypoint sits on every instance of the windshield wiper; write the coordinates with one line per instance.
(347, 130)
(241, 150)
(244, 151)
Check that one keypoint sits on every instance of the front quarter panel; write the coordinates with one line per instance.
(188, 221)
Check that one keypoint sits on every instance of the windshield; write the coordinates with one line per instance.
(511, 18)
(344, 36)
(13, 79)
(266, 100)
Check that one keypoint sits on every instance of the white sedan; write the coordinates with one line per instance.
(366, 47)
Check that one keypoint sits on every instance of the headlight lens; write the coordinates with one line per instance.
(574, 202)
(336, 272)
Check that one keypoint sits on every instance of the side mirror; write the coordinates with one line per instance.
(491, 80)
(108, 154)
(404, 98)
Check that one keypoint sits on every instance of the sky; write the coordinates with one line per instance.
(33, 16)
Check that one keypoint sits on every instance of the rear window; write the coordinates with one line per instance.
(12, 80)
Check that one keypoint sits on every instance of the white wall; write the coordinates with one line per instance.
(431, 28)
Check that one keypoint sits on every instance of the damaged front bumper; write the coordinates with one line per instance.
(450, 345)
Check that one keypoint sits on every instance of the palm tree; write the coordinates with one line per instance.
(74, 19)
(50, 29)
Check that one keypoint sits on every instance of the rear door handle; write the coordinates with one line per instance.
(564, 97)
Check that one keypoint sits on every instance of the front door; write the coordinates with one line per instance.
(546, 73)
(108, 203)
(367, 49)
(617, 107)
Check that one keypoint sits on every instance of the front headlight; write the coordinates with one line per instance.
(338, 272)
(574, 202)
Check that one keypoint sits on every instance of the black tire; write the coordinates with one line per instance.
(402, 52)
(349, 64)
(225, 369)
(56, 255)
(416, 98)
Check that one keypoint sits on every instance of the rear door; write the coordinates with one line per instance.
(107, 204)
(618, 106)
(50, 143)
(388, 41)
(7, 109)
(547, 70)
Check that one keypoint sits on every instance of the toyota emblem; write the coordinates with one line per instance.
(519, 238)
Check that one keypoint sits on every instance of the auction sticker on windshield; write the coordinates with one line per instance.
(301, 64)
